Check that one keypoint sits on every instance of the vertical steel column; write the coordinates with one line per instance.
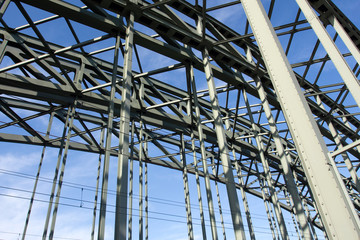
(341, 65)
(186, 190)
(272, 225)
(131, 179)
(189, 110)
(267, 173)
(145, 151)
(191, 79)
(104, 190)
(141, 174)
(241, 181)
(47, 219)
(224, 151)
(37, 177)
(201, 210)
(141, 180)
(146, 195)
(207, 179)
(122, 176)
(295, 222)
(244, 198)
(285, 163)
(67, 143)
(311, 147)
(141, 171)
(218, 198)
(271, 206)
(306, 209)
(97, 184)
(201, 30)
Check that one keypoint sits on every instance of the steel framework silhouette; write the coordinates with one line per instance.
(246, 102)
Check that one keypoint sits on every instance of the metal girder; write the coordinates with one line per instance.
(124, 125)
(341, 65)
(239, 82)
(313, 152)
(153, 114)
(44, 78)
(224, 151)
(316, 110)
(149, 117)
(163, 87)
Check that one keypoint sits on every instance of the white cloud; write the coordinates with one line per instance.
(15, 162)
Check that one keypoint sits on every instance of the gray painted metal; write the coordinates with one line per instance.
(268, 183)
(347, 40)
(204, 162)
(97, 184)
(46, 226)
(192, 86)
(289, 179)
(224, 151)
(108, 141)
(341, 65)
(313, 152)
(42, 76)
(123, 153)
(186, 191)
(131, 179)
(60, 180)
(37, 179)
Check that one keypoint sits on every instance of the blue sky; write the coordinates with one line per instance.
(18, 164)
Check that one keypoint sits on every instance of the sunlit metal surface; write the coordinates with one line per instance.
(179, 119)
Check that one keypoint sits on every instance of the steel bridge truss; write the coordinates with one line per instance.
(166, 83)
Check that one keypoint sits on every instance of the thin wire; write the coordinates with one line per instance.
(128, 135)
(225, 210)
(34, 235)
(110, 211)
(111, 192)
(168, 147)
(127, 154)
